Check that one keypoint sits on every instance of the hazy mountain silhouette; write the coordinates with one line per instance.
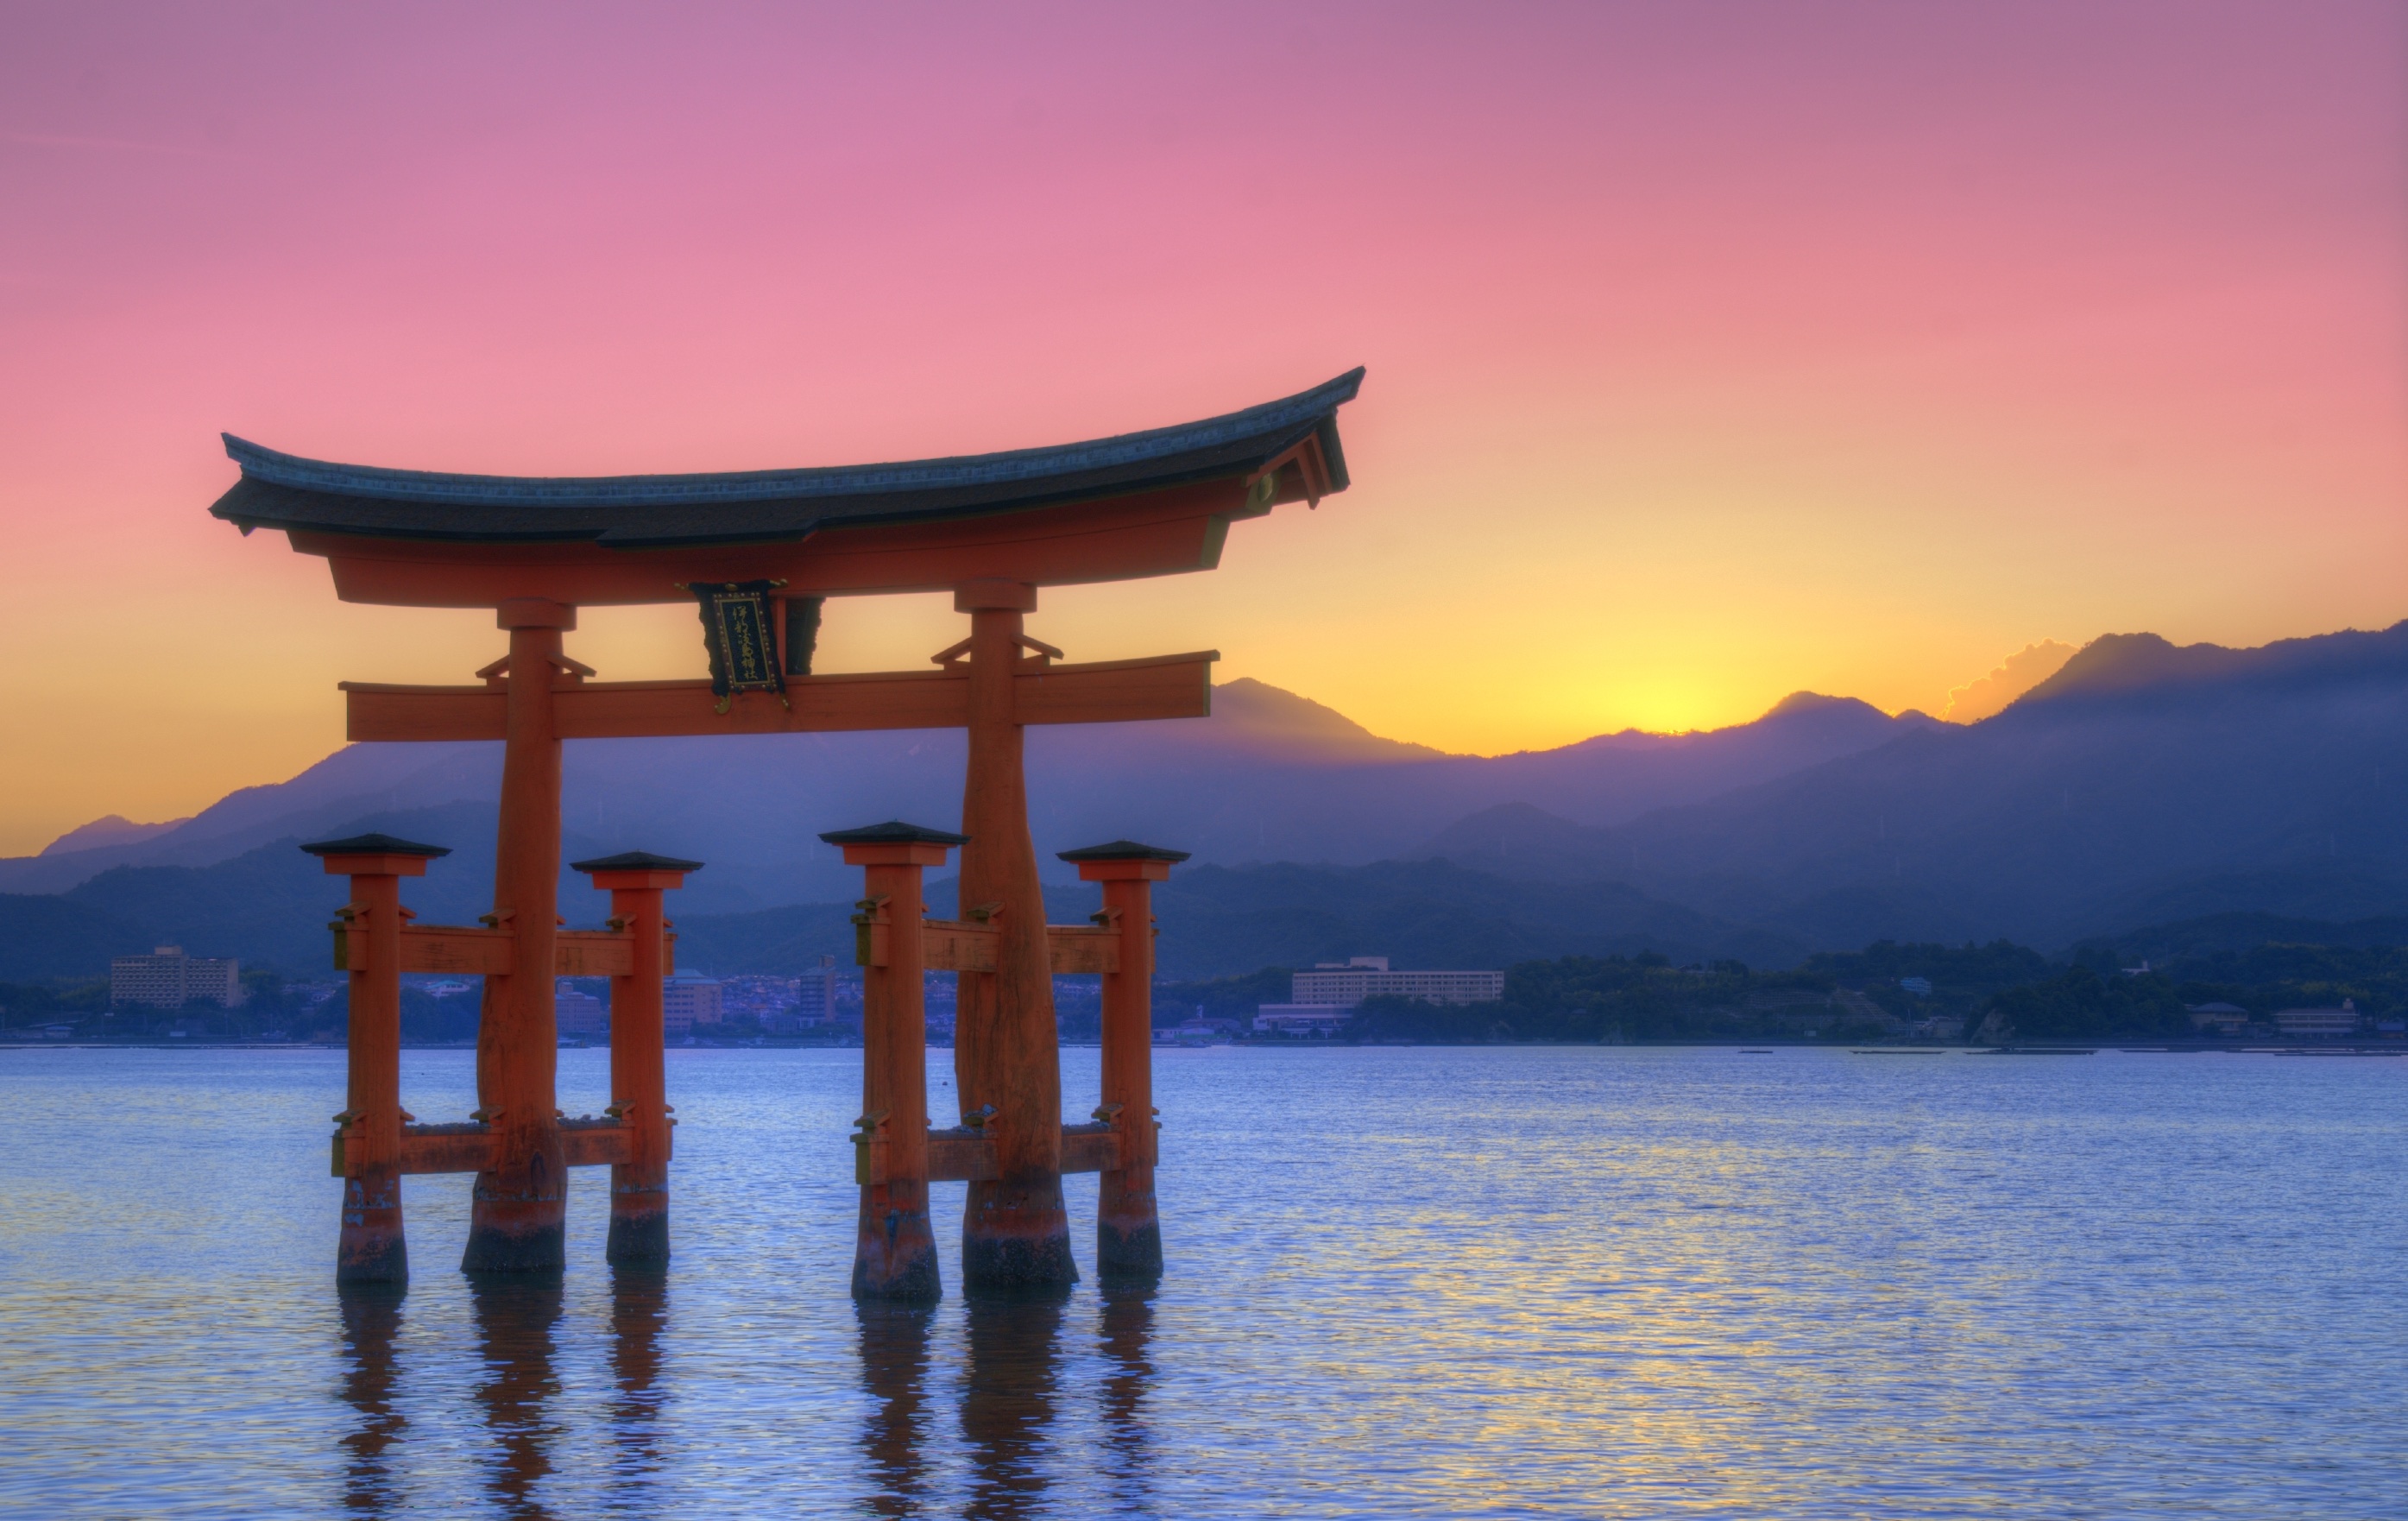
(1218, 920)
(110, 829)
(1269, 775)
(2142, 783)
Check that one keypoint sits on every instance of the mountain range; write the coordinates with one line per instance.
(1270, 777)
(2143, 781)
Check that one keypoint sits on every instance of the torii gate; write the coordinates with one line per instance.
(992, 529)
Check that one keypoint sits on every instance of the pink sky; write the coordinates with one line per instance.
(1715, 350)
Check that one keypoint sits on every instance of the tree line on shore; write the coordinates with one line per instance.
(1995, 991)
(1998, 991)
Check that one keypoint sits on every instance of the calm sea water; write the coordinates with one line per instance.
(1596, 1283)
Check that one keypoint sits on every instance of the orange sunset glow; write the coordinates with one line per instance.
(1715, 353)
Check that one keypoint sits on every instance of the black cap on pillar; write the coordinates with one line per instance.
(373, 844)
(895, 832)
(1124, 850)
(634, 861)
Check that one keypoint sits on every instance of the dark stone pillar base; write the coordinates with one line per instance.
(372, 1248)
(1129, 1253)
(1016, 1237)
(894, 1256)
(640, 1220)
(638, 1239)
(516, 1232)
(1128, 1229)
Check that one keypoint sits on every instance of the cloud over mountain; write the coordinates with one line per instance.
(2027, 667)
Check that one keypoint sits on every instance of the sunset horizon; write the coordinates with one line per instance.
(1693, 382)
(1300, 759)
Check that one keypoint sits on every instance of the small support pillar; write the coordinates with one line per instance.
(895, 1249)
(518, 1208)
(372, 1248)
(1128, 1229)
(1007, 1055)
(640, 1186)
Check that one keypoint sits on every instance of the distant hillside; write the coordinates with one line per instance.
(2225, 934)
(1221, 920)
(1217, 920)
(43, 937)
(1269, 775)
(111, 829)
(2142, 783)
(268, 906)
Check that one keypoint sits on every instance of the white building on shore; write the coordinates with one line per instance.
(578, 1014)
(1349, 983)
(2319, 1023)
(1320, 1001)
(688, 999)
(169, 979)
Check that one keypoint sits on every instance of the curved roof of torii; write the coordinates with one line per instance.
(313, 498)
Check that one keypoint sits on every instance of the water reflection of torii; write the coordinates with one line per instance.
(1010, 1395)
(515, 1318)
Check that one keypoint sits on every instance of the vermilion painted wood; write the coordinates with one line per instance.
(469, 1148)
(462, 951)
(520, 1203)
(1129, 1225)
(1089, 1148)
(1154, 534)
(1099, 691)
(1077, 950)
(962, 1154)
(950, 946)
(1015, 1232)
(639, 1179)
(894, 1244)
(372, 1247)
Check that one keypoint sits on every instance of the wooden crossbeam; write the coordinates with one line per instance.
(962, 1154)
(462, 952)
(1100, 692)
(954, 945)
(468, 1148)
(1079, 948)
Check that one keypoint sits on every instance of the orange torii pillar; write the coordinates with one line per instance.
(1015, 1232)
(894, 1250)
(367, 1147)
(520, 1204)
(640, 1186)
(1128, 1230)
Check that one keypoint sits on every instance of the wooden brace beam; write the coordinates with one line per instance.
(461, 952)
(952, 945)
(962, 1154)
(1101, 692)
(468, 1148)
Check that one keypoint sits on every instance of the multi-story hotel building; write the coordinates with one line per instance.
(1368, 977)
(688, 999)
(2319, 1021)
(576, 1013)
(1320, 1000)
(169, 979)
